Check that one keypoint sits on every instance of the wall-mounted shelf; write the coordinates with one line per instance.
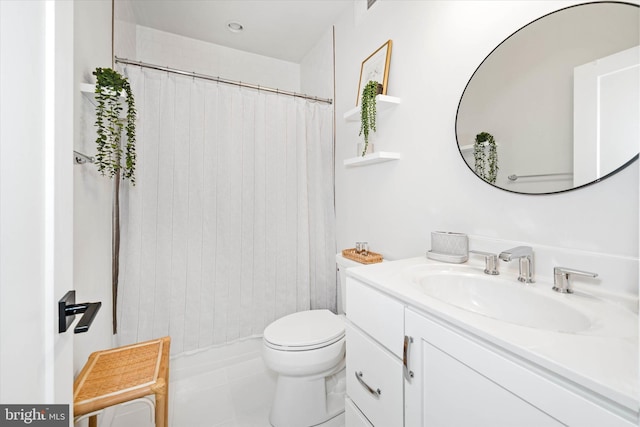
(87, 88)
(466, 148)
(89, 91)
(369, 159)
(383, 103)
(469, 147)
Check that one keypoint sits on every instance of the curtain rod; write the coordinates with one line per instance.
(221, 80)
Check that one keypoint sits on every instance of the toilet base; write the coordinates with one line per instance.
(305, 402)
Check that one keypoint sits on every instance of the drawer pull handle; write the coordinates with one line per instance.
(375, 393)
(408, 374)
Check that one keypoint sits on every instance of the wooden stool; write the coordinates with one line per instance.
(122, 374)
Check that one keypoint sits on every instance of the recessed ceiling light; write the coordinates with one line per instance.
(235, 27)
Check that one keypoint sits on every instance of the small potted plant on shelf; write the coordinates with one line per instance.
(368, 111)
(109, 87)
(485, 154)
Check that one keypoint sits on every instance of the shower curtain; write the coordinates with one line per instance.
(230, 224)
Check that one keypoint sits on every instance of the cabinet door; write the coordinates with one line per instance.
(460, 377)
(447, 392)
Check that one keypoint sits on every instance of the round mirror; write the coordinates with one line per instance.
(556, 105)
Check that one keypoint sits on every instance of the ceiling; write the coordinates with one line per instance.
(283, 29)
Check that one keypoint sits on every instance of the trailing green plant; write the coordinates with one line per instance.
(485, 153)
(109, 86)
(368, 111)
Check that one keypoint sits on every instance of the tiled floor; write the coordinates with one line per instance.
(223, 387)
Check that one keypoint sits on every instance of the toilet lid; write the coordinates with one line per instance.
(313, 328)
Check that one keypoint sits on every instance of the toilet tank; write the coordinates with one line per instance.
(342, 264)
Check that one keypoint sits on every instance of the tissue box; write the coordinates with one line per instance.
(449, 247)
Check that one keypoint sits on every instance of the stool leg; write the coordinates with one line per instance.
(162, 409)
(166, 405)
(93, 421)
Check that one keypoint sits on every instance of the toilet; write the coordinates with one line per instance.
(306, 349)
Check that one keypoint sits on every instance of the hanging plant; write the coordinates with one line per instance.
(368, 111)
(485, 153)
(109, 86)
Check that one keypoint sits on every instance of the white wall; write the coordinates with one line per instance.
(125, 30)
(167, 49)
(395, 205)
(92, 192)
(316, 68)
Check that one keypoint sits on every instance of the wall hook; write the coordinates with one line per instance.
(67, 309)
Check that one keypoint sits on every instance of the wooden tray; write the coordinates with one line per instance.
(370, 258)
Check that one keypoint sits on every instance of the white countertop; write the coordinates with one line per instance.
(603, 359)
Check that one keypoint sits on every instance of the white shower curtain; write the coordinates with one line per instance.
(231, 223)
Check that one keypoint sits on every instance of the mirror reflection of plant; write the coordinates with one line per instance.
(486, 164)
(368, 111)
(109, 86)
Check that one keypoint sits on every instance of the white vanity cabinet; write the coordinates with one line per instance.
(458, 370)
(459, 381)
(375, 331)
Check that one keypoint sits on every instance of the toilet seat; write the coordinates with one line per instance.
(305, 330)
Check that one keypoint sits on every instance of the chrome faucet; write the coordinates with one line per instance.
(490, 262)
(562, 278)
(524, 254)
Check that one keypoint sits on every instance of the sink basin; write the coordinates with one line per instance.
(501, 299)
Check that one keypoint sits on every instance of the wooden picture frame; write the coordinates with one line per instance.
(376, 67)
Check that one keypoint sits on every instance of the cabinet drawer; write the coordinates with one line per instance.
(377, 314)
(352, 415)
(374, 379)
